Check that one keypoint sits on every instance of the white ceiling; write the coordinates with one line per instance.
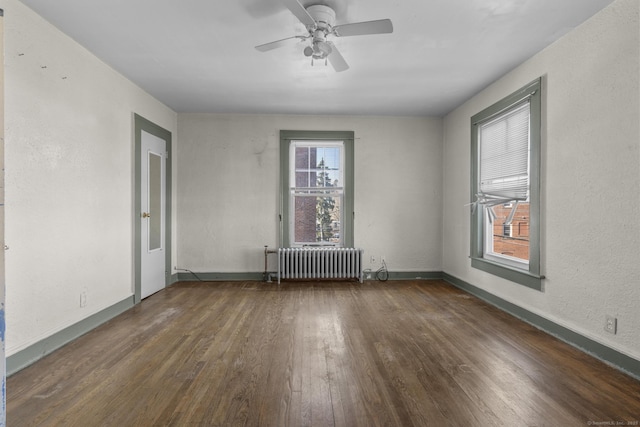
(199, 56)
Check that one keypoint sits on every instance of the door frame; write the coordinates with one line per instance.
(142, 124)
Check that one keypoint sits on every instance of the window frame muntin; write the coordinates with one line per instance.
(347, 137)
(530, 277)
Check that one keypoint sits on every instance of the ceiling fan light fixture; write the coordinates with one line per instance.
(321, 50)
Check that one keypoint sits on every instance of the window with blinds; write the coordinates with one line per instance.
(505, 189)
(504, 184)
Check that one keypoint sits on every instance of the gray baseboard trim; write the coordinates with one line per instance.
(173, 279)
(415, 275)
(37, 351)
(612, 357)
(408, 275)
(187, 276)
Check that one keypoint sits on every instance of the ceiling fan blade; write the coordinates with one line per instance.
(337, 60)
(381, 26)
(300, 12)
(276, 44)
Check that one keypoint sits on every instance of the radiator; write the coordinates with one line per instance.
(320, 263)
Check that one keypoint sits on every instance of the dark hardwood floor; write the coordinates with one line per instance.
(409, 353)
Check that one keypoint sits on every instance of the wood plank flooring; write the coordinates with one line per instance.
(409, 353)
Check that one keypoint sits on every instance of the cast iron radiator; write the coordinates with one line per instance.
(320, 263)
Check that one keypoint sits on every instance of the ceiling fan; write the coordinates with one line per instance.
(320, 22)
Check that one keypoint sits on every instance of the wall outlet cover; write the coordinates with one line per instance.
(611, 324)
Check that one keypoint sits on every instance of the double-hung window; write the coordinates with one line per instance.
(505, 189)
(317, 188)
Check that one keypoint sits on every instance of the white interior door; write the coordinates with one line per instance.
(153, 206)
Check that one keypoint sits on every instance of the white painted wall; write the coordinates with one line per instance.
(591, 143)
(69, 178)
(228, 188)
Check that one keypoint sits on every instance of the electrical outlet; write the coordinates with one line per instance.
(83, 299)
(373, 259)
(611, 324)
(382, 258)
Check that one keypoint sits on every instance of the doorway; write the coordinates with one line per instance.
(152, 210)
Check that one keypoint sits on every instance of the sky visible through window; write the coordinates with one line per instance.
(331, 157)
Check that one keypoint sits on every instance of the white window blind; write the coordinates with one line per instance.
(504, 157)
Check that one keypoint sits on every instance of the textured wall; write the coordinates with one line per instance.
(69, 178)
(590, 180)
(228, 188)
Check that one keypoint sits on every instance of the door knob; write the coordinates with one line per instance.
(146, 215)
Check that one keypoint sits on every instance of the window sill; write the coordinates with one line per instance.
(516, 275)
(507, 261)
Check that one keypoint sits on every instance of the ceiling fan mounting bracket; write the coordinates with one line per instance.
(324, 16)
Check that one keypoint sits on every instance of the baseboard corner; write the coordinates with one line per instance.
(48, 345)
